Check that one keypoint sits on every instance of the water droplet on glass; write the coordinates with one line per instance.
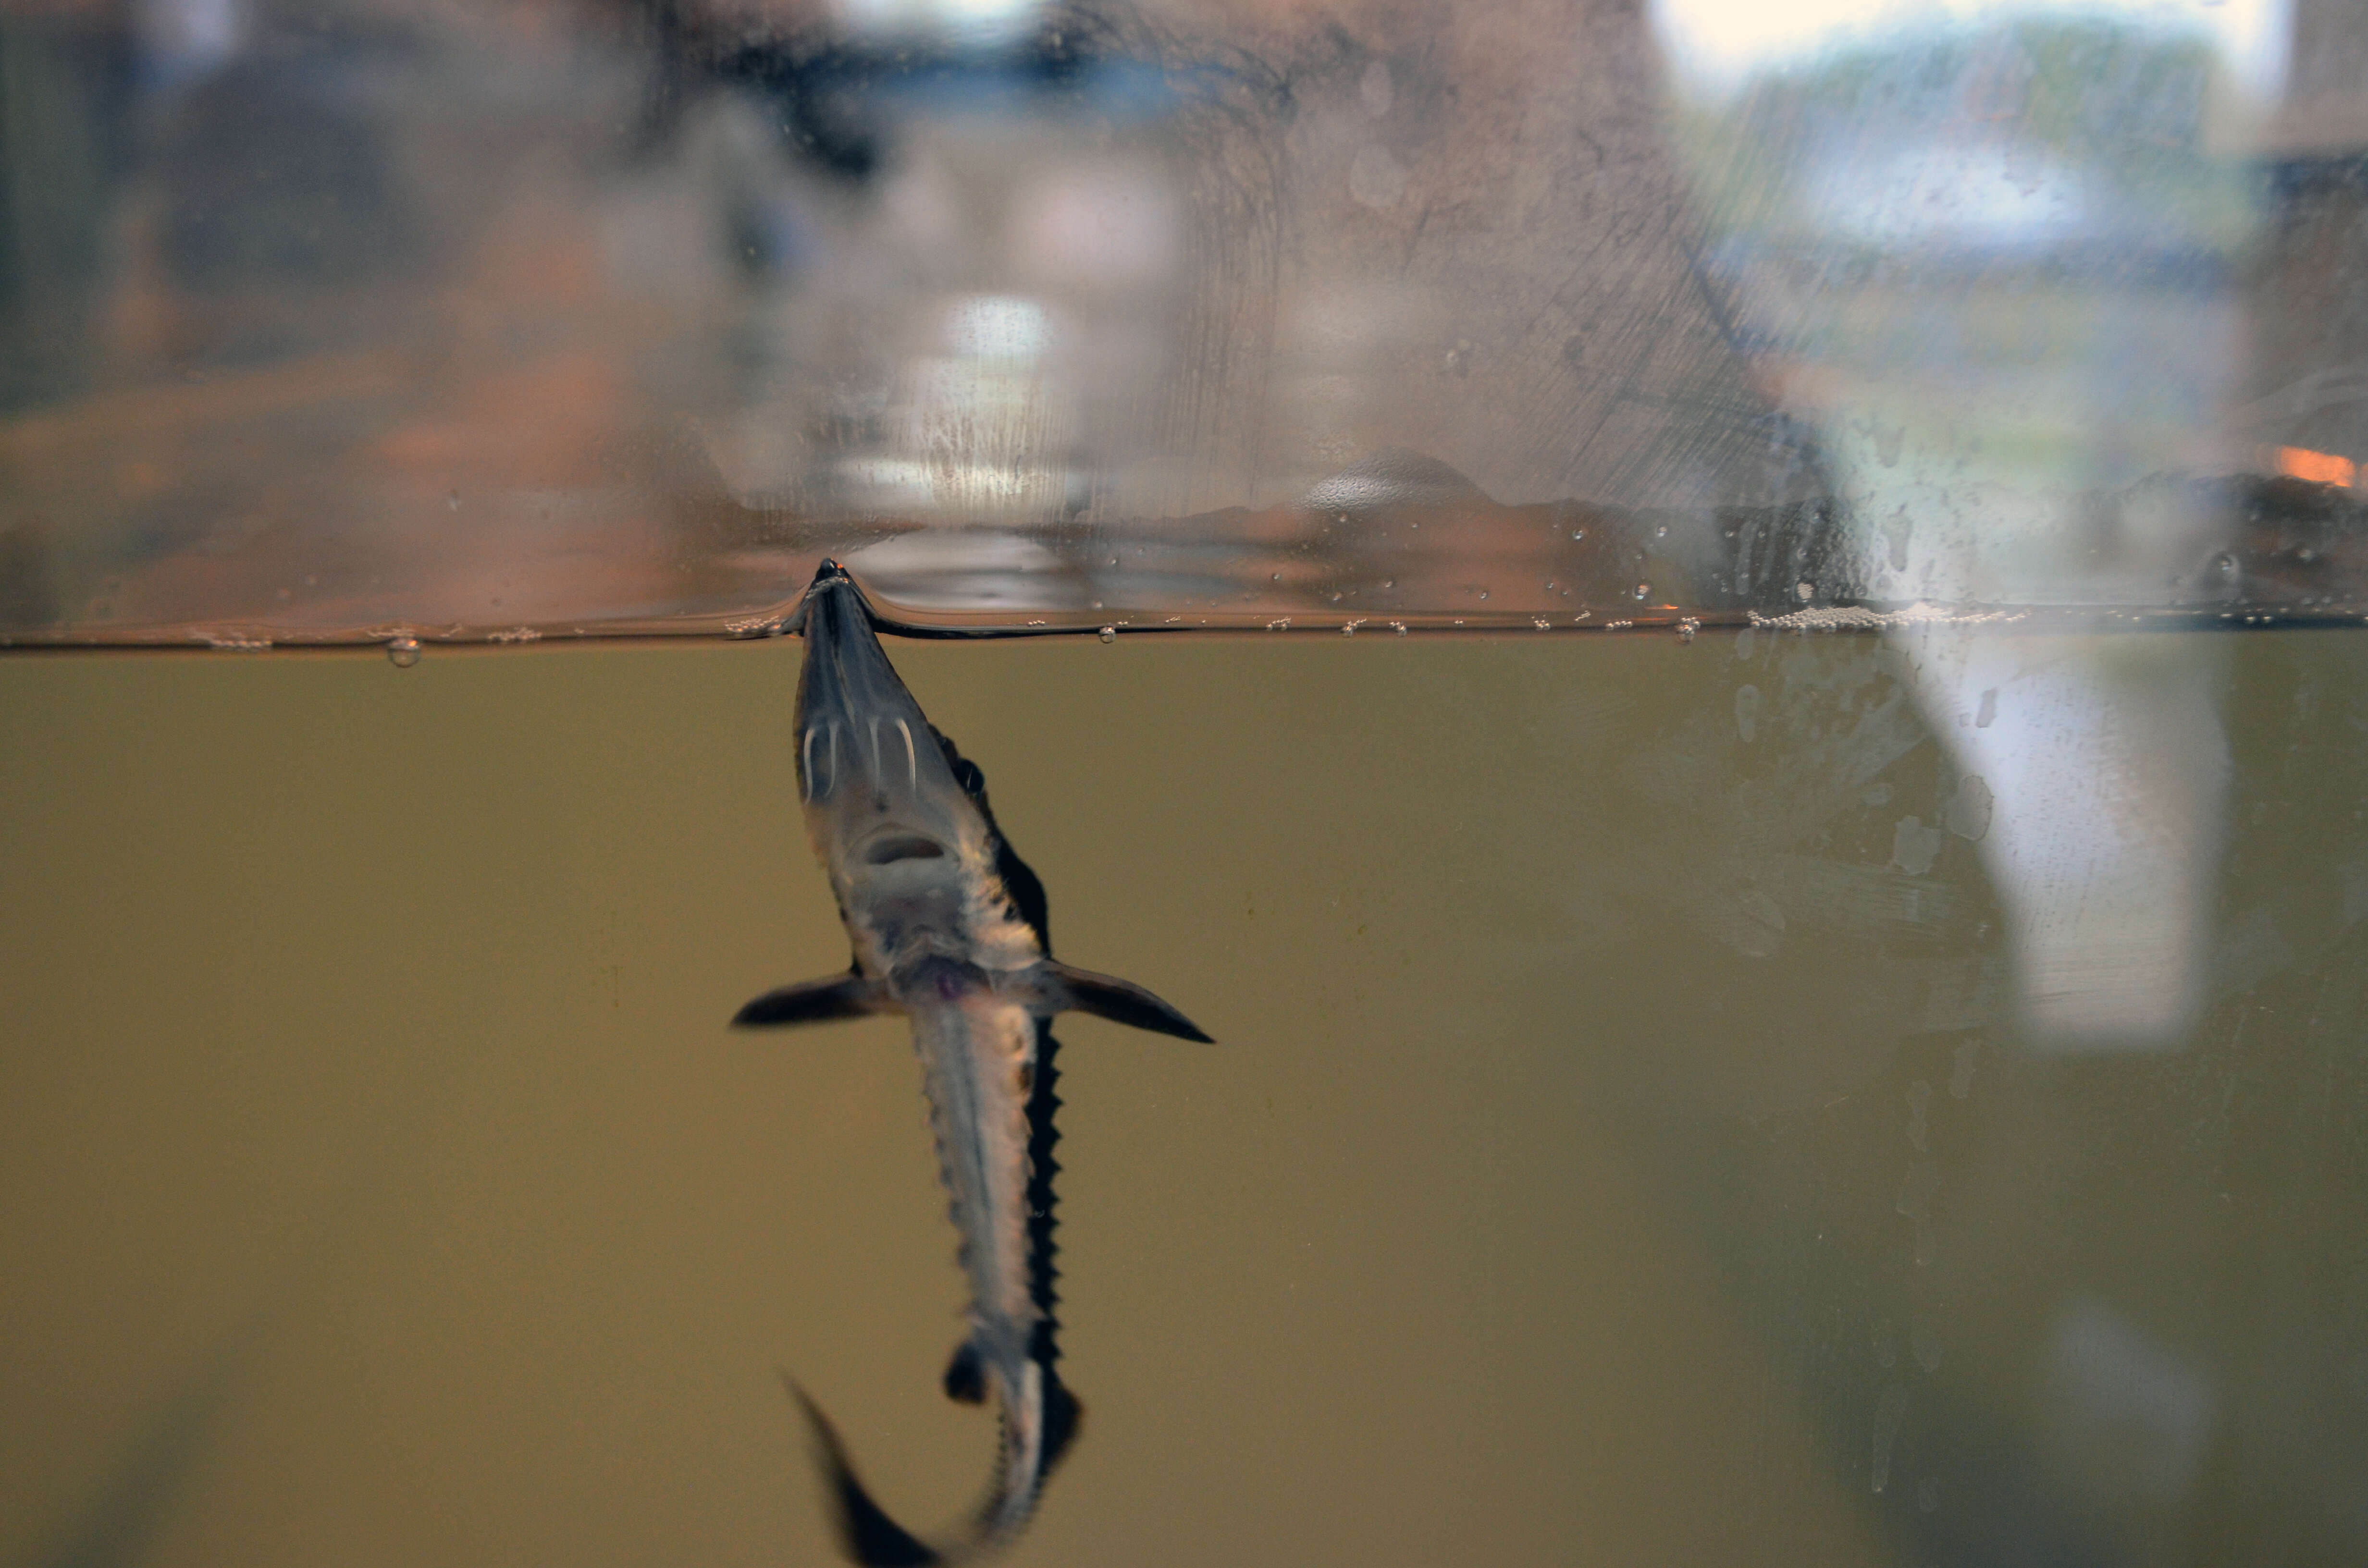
(1484, 593)
(1643, 589)
(1389, 582)
(2226, 567)
(1275, 577)
(1114, 560)
(1578, 533)
(1108, 635)
(403, 652)
(1662, 531)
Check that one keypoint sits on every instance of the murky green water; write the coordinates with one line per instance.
(1633, 1138)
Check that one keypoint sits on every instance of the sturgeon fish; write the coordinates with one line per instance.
(949, 929)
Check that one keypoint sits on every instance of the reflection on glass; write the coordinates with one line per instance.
(1999, 255)
(528, 325)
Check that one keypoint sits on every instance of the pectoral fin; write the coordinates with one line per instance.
(815, 1001)
(1121, 1002)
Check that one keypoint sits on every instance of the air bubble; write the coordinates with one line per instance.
(403, 652)
(1578, 533)
(1643, 589)
(1484, 593)
(1662, 531)
(1108, 635)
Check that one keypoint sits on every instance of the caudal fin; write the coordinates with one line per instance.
(1037, 1428)
(865, 1531)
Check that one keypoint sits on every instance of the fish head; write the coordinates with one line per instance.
(910, 854)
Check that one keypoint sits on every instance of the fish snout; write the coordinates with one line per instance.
(861, 734)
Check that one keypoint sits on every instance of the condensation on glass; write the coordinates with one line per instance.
(375, 321)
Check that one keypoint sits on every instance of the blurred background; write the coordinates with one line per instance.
(1866, 1068)
(374, 318)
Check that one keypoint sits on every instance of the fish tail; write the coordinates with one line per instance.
(1040, 1418)
(865, 1531)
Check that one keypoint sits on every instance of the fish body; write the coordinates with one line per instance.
(949, 927)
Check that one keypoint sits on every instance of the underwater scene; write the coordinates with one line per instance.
(1666, 1104)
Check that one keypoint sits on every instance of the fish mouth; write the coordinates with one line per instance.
(888, 848)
